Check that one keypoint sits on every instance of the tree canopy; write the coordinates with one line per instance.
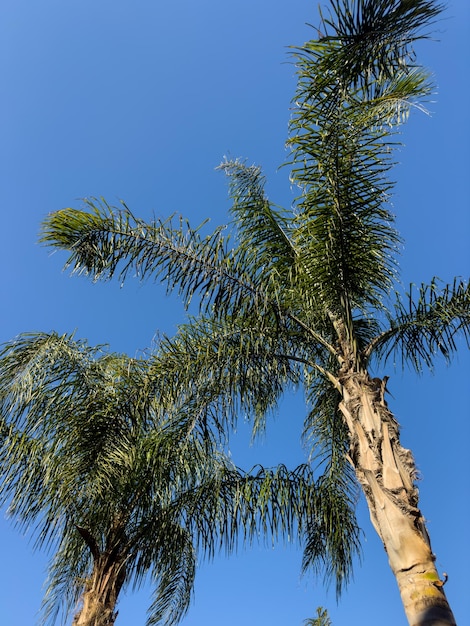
(113, 484)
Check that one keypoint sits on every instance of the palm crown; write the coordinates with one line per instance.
(117, 485)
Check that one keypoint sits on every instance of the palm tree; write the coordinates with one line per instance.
(120, 488)
(311, 296)
(322, 618)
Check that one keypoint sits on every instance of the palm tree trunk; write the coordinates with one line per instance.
(386, 472)
(101, 593)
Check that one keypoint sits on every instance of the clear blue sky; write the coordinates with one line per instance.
(140, 100)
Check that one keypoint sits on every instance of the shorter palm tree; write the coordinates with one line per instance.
(322, 618)
(119, 487)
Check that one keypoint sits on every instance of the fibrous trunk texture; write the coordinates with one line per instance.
(387, 473)
(101, 593)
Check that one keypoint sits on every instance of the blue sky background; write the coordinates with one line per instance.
(140, 101)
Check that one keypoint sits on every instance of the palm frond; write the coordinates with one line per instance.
(343, 230)
(103, 241)
(277, 503)
(68, 572)
(335, 533)
(333, 543)
(174, 580)
(215, 371)
(375, 37)
(426, 325)
(263, 231)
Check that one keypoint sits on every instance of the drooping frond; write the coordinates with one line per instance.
(218, 370)
(336, 533)
(281, 503)
(325, 433)
(244, 506)
(174, 580)
(333, 542)
(37, 374)
(68, 571)
(426, 325)
(267, 243)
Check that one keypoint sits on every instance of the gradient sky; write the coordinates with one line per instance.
(140, 100)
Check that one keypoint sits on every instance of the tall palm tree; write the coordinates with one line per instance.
(311, 295)
(117, 486)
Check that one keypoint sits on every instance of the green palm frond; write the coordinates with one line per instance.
(263, 232)
(325, 433)
(50, 410)
(343, 230)
(335, 532)
(282, 503)
(333, 543)
(375, 37)
(286, 501)
(174, 580)
(219, 369)
(269, 502)
(104, 241)
(428, 324)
